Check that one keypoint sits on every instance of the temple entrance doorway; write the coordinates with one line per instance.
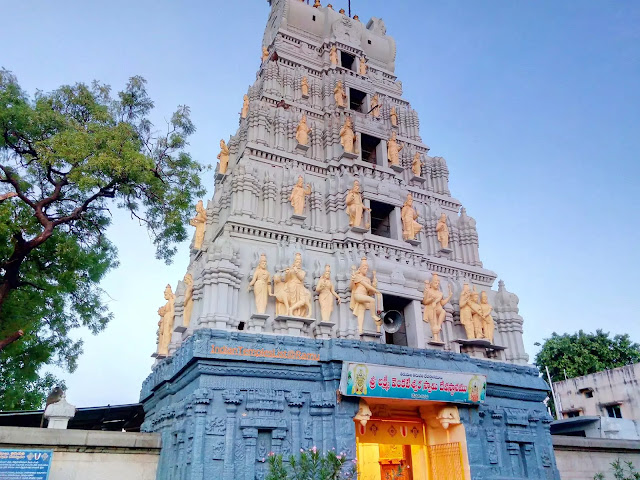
(407, 440)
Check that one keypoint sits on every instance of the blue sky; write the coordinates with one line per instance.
(534, 104)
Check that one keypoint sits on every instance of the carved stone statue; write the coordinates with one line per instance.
(303, 131)
(443, 231)
(299, 296)
(347, 136)
(316, 4)
(393, 150)
(339, 95)
(393, 116)
(265, 53)
(333, 55)
(326, 294)
(188, 299)
(304, 86)
(465, 311)
(476, 319)
(433, 302)
(410, 227)
(245, 106)
(361, 291)
(260, 284)
(488, 326)
(298, 196)
(280, 294)
(375, 106)
(362, 69)
(355, 206)
(200, 222)
(223, 156)
(416, 165)
(167, 313)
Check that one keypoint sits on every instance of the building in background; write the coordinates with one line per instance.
(334, 295)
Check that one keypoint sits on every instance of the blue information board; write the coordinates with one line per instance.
(25, 464)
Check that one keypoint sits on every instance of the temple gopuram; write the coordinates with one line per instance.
(334, 296)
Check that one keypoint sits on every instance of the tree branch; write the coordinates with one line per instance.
(10, 339)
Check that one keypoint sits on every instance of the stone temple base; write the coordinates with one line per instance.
(481, 348)
(297, 326)
(223, 396)
(257, 322)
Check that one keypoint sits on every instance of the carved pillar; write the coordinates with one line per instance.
(414, 325)
(200, 399)
(395, 223)
(232, 398)
(250, 436)
(295, 401)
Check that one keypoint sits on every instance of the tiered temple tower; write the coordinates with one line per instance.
(254, 343)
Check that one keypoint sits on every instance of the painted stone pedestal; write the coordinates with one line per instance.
(348, 156)
(257, 322)
(396, 168)
(413, 242)
(296, 326)
(481, 348)
(302, 149)
(418, 179)
(323, 329)
(220, 177)
(359, 229)
(444, 252)
(298, 219)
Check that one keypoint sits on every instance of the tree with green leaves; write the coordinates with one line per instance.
(66, 159)
(583, 353)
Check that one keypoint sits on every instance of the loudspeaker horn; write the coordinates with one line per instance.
(392, 320)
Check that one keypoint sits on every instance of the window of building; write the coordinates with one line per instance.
(369, 147)
(356, 100)
(572, 414)
(380, 219)
(613, 411)
(587, 392)
(347, 60)
(391, 302)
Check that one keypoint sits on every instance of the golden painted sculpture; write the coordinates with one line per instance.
(280, 294)
(333, 55)
(361, 299)
(200, 222)
(245, 106)
(476, 319)
(488, 326)
(355, 206)
(442, 231)
(326, 294)
(393, 150)
(375, 107)
(347, 136)
(362, 69)
(466, 315)
(260, 284)
(393, 116)
(416, 165)
(299, 297)
(223, 156)
(265, 53)
(166, 313)
(434, 302)
(316, 4)
(410, 227)
(338, 94)
(298, 196)
(304, 86)
(303, 131)
(188, 299)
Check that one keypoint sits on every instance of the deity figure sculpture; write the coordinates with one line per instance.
(342, 11)
(329, 6)
(443, 231)
(303, 131)
(167, 313)
(410, 227)
(339, 95)
(200, 222)
(355, 206)
(476, 319)
(356, 17)
(265, 53)
(304, 86)
(245, 106)
(347, 136)
(393, 116)
(326, 294)
(333, 55)
(361, 299)
(362, 69)
(375, 107)
(260, 284)
(488, 326)
(299, 296)
(416, 165)
(433, 302)
(393, 150)
(316, 4)
(298, 196)
(466, 314)
(223, 156)
(188, 299)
